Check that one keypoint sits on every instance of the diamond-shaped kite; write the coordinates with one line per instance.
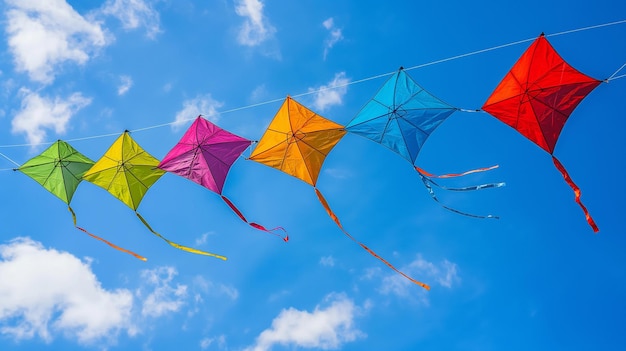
(401, 116)
(297, 142)
(127, 172)
(537, 96)
(59, 169)
(204, 155)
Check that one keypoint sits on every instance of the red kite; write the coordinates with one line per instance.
(537, 96)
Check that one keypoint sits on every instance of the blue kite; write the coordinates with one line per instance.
(401, 116)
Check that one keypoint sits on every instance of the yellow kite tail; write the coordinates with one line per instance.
(103, 240)
(178, 246)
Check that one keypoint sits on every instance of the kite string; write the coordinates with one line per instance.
(613, 76)
(10, 160)
(326, 88)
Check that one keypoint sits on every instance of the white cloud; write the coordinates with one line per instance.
(444, 274)
(255, 28)
(134, 14)
(126, 82)
(44, 291)
(40, 113)
(327, 261)
(335, 35)
(200, 105)
(324, 328)
(165, 298)
(44, 34)
(332, 93)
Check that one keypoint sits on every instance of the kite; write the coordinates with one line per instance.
(537, 96)
(401, 116)
(297, 142)
(204, 155)
(59, 169)
(127, 172)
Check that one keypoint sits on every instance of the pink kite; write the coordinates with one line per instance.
(204, 155)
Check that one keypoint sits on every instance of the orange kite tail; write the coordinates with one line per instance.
(336, 220)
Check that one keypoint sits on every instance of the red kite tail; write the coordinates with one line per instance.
(103, 240)
(256, 225)
(336, 220)
(427, 182)
(452, 175)
(178, 246)
(576, 189)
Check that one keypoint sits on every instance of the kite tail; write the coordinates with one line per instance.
(103, 240)
(426, 176)
(336, 220)
(427, 183)
(180, 247)
(467, 188)
(576, 189)
(453, 175)
(256, 225)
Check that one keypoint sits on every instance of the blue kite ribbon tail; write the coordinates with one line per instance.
(178, 246)
(256, 225)
(454, 175)
(427, 183)
(103, 240)
(466, 188)
(335, 219)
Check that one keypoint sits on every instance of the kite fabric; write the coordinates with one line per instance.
(127, 172)
(204, 155)
(297, 142)
(59, 169)
(537, 96)
(401, 116)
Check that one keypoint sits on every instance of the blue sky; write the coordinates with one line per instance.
(537, 278)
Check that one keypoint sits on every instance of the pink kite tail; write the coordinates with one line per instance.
(576, 189)
(256, 225)
(336, 220)
(103, 240)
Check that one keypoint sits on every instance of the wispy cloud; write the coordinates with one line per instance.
(332, 93)
(338, 173)
(39, 113)
(165, 297)
(444, 274)
(42, 35)
(200, 105)
(256, 28)
(126, 82)
(324, 328)
(327, 261)
(134, 14)
(219, 341)
(334, 35)
(45, 291)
